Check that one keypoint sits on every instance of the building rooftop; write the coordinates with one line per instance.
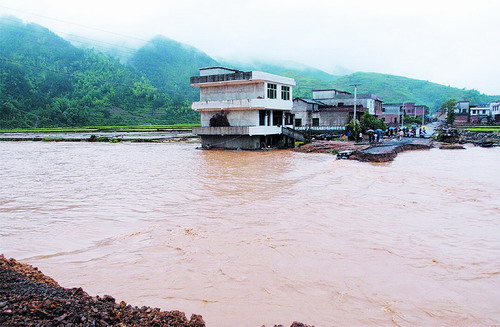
(336, 90)
(311, 101)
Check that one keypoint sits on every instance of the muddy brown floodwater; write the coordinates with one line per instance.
(253, 238)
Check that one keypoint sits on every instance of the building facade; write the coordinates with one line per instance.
(331, 109)
(484, 113)
(333, 97)
(243, 110)
(391, 113)
(316, 115)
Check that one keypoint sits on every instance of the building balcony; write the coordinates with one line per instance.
(243, 104)
(238, 130)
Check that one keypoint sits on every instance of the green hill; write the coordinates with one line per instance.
(393, 88)
(45, 81)
(169, 64)
(287, 68)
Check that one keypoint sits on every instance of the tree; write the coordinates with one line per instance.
(371, 122)
(448, 107)
(354, 127)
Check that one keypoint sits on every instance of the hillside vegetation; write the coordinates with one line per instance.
(45, 81)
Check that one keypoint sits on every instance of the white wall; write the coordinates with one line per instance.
(232, 92)
(235, 117)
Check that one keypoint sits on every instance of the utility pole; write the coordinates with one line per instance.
(402, 115)
(355, 99)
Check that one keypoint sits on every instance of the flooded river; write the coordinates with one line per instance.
(253, 238)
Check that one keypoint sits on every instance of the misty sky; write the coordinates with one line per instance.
(451, 42)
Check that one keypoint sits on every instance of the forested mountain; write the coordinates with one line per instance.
(169, 64)
(46, 81)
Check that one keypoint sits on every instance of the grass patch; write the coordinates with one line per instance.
(484, 129)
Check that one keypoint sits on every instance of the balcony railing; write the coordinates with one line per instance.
(321, 128)
(221, 78)
(238, 130)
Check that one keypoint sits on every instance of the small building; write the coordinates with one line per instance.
(480, 113)
(466, 113)
(391, 112)
(331, 109)
(333, 97)
(243, 110)
(312, 114)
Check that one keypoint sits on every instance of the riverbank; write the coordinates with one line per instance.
(30, 298)
(108, 137)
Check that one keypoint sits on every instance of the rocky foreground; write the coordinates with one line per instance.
(30, 298)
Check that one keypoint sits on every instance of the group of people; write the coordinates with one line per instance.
(378, 135)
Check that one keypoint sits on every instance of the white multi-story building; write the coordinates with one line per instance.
(243, 110)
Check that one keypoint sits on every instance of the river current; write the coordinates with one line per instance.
(253, 238)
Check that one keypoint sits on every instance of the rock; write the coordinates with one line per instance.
(452, 147)
(34, 299)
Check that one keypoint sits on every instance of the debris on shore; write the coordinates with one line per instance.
(448, 146)
(30, 298)
(322, 146)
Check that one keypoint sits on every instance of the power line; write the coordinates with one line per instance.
(71, 23)
(125, 51)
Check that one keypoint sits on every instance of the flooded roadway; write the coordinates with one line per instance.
(253, 238)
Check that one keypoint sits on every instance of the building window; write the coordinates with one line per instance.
(271, 91)
(285, 93)
(262, 117)
(315, 121)
(298, 122)
(277, 118)
(383, 109)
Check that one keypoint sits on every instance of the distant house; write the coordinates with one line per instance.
(391, 112)
(333, 97)
(495, 111)
(243, 110)
(482, 113)
(331, 109)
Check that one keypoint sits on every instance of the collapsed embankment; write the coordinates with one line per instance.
(30, 298)
(383, 152)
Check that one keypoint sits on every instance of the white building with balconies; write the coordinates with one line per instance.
(243, 110)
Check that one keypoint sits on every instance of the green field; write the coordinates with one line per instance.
(132, 128)
(486, 129)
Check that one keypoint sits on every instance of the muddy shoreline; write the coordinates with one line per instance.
(30, 298)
